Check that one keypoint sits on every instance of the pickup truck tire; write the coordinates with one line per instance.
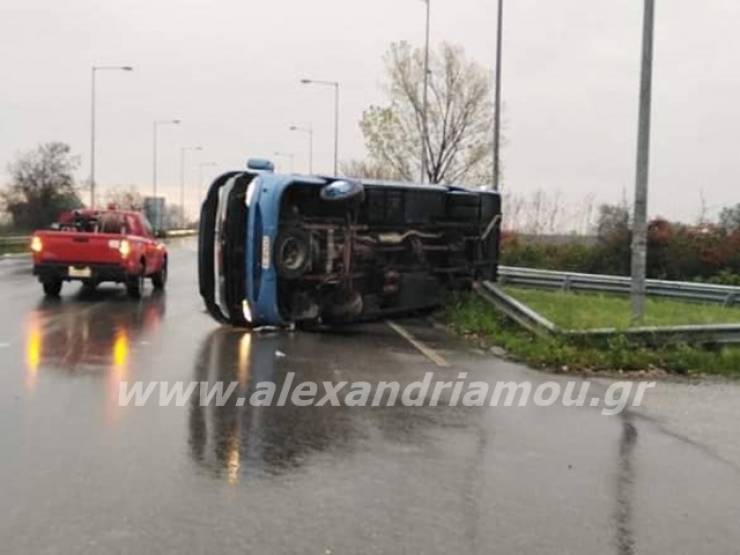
(159, 280)
(52, 288)
(135, 286)
(88, 287)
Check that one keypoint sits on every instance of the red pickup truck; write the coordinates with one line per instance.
(93, 246)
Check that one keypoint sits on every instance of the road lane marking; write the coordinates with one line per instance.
(428, 352)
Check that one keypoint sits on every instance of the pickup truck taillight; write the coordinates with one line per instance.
(36, 244)
(124, 248)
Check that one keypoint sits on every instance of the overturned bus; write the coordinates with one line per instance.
(276, 250)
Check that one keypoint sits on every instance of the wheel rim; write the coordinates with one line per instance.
(292, 254)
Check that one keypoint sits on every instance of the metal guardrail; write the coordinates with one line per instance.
(173, 233)
(549, 279)
(716, 334)
(15, 241)
(517, 311)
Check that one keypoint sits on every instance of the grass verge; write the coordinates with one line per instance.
(13, 249)
(579, 311)
(469, 315)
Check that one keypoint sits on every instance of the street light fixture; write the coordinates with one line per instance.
(183, 151)
(92, 125)
(155, 125)
(334, 84)
(308, 130)
(290, 156)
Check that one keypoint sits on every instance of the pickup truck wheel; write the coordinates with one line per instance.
(52, 288)
(88, 287)
(135, 286)
(159, 280)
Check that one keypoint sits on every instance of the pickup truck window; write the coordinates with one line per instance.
(85, 224)
(136, 226)
(112, 224)
(147, 227)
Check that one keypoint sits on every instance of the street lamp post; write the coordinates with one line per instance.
(155, 125)
(497, 102)
(334, 84)
(92, 126)
(290, 156)
(309, 131)
(639, 232)
(183, 151)
(425, 108)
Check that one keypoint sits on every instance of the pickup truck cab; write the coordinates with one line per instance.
(94, 246)
(277, 250)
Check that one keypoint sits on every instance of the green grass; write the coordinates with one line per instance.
(12, 249)
(577, 311)
(469, 315)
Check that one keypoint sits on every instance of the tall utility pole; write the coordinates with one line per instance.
(497, 102)
(639, 229)
(425, 107)
(92, 125)
(334, 84)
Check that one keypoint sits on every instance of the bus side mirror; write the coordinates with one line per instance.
(260, 164)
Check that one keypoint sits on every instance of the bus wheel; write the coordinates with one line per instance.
(292, 253)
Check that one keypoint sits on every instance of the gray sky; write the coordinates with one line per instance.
(230, 71)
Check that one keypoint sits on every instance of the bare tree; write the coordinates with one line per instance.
(548, 212)
(125, 198)
(369, 170)
(460, 117)
(729, 218)
(703, 209)
(42, 185)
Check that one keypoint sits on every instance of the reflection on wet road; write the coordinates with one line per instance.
(243, 442)
(71, 339)
(80, 474)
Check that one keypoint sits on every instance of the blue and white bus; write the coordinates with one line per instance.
(277, 250)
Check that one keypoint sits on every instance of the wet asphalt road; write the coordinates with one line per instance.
(79, 474)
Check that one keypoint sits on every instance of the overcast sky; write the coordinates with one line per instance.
(230, 69)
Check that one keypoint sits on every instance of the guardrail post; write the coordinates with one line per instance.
(566, 284)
